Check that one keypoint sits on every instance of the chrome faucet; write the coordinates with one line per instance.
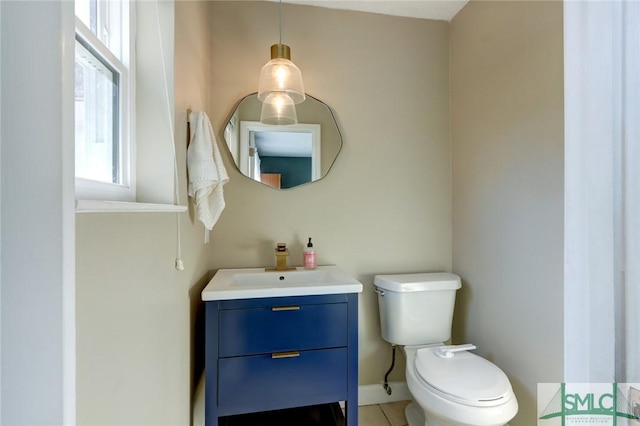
(282, 253)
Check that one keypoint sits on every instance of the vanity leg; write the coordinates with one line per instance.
(351, 413)
(211, 364)
(351, 405)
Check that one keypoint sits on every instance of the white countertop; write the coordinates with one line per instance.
(252, 283)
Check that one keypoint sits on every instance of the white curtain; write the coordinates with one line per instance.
(628, 366)
(255, 167)
(254, 158)
(602, 191)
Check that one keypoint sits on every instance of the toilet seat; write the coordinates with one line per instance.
(465, 378)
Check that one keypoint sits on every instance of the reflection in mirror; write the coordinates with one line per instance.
(283, 156)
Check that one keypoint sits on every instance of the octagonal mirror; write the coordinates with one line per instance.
(283, 157)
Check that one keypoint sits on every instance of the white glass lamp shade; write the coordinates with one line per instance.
(279, 109)
(281, 75)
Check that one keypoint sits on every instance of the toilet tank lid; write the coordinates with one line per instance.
(426, 281)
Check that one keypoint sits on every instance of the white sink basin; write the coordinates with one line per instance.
(256, 282)
(296, 277)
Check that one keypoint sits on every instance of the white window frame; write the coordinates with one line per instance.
(87, 189)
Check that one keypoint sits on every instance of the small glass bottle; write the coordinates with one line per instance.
(309, 256)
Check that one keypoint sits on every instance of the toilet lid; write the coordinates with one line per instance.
(465, 376)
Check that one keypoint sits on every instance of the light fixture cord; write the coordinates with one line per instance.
(280, 21)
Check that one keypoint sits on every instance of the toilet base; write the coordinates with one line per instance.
(413, 414)
(416, 416)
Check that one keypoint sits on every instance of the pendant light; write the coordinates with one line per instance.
(278, 108)
(280, 86)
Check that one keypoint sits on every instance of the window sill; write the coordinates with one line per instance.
(97, 206)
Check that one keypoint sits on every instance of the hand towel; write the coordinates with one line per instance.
(207, 174)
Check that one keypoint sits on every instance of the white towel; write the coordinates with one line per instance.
(207, 174)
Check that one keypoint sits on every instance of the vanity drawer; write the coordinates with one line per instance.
(284, 380)
(281, 328)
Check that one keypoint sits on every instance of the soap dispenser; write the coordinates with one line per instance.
(309, 256)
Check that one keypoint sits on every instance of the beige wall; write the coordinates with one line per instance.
(507, 142)
(135, 344)
(385, 205)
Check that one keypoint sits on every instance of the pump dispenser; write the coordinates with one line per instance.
(309, 256)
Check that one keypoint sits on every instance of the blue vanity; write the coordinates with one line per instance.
(280, 340)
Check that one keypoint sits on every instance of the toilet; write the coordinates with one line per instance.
(450, 385)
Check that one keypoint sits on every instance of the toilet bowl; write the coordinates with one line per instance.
(450, 386)
(464, 390)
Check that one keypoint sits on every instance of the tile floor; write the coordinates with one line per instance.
(389, 414)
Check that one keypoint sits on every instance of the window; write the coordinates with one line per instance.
(103, 98)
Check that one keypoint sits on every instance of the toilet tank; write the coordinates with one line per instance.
(416, 309)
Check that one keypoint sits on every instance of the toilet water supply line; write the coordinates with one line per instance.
(386, 376)
(179, 265)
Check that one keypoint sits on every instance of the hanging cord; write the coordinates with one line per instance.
(393, 364)
(280, 22)
(179, 265)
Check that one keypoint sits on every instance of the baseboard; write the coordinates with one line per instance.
(375, 394)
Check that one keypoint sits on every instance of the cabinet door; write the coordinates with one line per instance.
(280, 328)
(282, 380)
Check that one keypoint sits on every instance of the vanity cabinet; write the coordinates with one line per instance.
(276, 353)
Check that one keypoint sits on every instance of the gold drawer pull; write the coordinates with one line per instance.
(292, 354)
(285, 308)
